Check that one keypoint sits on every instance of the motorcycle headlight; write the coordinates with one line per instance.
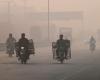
(22, 47)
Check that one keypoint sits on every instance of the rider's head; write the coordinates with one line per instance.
(61, 36)
(92, 37)
(23, 35)
(10, 35)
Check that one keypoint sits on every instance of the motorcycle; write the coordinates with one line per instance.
(61, 55)
(10, 52)
(23, 55)
(92, 48)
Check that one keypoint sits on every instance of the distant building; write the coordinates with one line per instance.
(40, 33)
(36, 33)
(67, 32)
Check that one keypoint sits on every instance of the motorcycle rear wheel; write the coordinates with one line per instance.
(61, 61)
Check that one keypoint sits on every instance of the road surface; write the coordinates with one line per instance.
(82, 66)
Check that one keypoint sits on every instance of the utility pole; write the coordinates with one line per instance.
(48, 20)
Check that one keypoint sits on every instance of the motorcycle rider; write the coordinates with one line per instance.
(61, 43)
(92, 43)
(10, 43)
(23, 42)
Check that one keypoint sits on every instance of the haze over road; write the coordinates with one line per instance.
(82, 66)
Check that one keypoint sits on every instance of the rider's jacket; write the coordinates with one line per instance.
(23, 42)
(61, 44)
(11, 43)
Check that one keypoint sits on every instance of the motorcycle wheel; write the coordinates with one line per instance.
(61, 61)
(22, 61)
(25, 61)
(10, 55)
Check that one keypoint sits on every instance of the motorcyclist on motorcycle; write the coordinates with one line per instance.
(61, 43)
(23, 42)
(92, 44)
(10, 43)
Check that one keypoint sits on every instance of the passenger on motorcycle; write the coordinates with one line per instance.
(23, 42)
(10, 43)
(61, 43)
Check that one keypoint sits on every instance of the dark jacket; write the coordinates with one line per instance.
(23, 42)
(61, 44)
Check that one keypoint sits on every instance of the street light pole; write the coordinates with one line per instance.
(48, 20)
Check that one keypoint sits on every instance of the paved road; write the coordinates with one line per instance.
(82, 66)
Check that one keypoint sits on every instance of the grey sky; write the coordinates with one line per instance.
(20, 18)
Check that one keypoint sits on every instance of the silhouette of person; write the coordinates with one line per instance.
(23, 42)
(10, 43)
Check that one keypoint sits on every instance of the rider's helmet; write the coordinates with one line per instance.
(23, 35)
(10, 34)
(61, 36)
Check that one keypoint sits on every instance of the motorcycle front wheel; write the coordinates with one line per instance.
(61, 61)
